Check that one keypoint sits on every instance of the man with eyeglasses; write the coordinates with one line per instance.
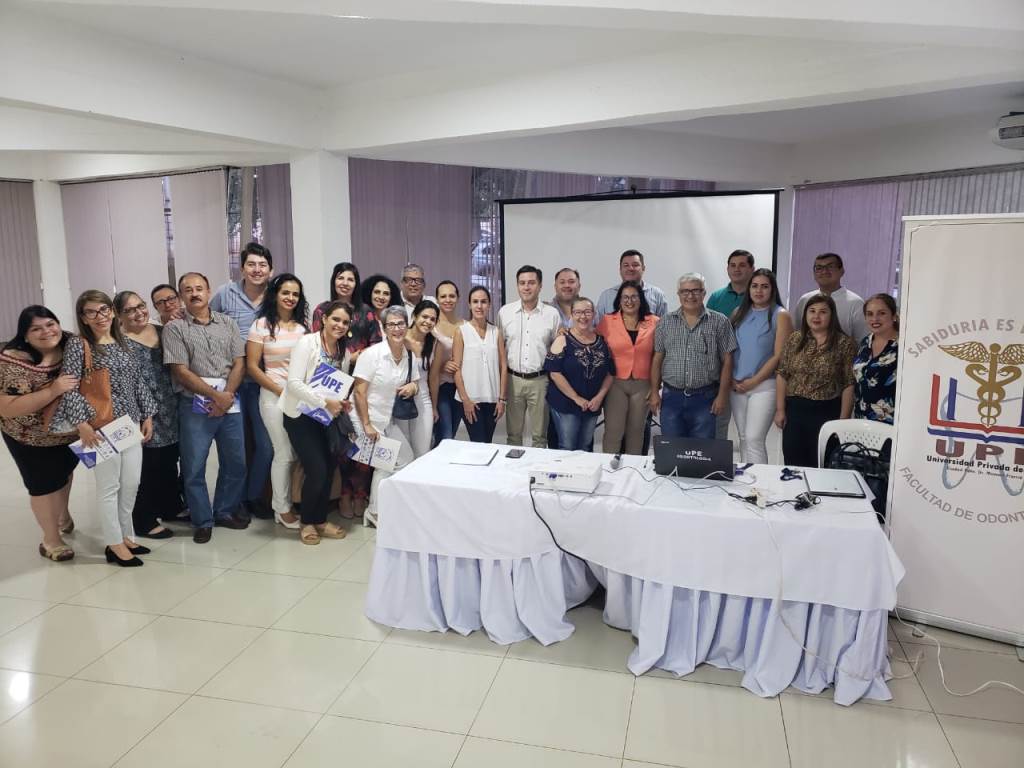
(413, 283)
(828, 274)
(242, 302)
(167, 302)
(693, 349)
(631, 267)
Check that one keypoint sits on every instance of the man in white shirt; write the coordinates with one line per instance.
(828, 274)
(631, 267)
(413, 285)
(529, 326)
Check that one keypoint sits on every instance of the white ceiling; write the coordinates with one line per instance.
(813, 124)
(329, 51)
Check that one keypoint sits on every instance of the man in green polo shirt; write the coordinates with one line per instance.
(740, 267)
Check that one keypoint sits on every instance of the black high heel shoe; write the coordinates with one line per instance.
(112, 558)
(138, 549)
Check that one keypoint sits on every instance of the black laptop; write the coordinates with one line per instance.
(693, 457)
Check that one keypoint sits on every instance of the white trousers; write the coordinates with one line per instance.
(420, 431)
(117, 483)
(397, 430)
(754, 412)
(284, 457)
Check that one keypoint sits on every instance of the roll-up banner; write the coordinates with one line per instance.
(957, 480)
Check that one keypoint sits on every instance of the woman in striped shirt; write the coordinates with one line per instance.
(283, 319)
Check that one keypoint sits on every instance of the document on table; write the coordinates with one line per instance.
(472, 454)
(202, 404)
(116, 437)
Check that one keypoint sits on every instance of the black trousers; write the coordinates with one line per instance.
(804, 420)
(157, 498)
(309, 441)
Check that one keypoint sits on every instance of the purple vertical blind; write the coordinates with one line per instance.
(19, 254)
(862, 222)
(274, 192)
(411, 212)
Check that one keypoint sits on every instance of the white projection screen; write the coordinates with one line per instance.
(676, 233)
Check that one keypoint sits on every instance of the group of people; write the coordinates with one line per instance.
(236, 367)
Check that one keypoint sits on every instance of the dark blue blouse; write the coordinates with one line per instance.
(875, 381)
(584, 366)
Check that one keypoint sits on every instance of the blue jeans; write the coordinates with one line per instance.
(449, 413)
(575, 430)
(262, 448)
(688, 415)
(196, 432)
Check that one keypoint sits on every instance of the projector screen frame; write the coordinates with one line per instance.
(775, 192)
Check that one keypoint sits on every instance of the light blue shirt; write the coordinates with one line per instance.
(230, 299)
(655, 298)
(755, 341)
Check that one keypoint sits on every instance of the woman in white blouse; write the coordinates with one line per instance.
(307, 435)
(481, 374)
(420, 340)
(383, 372)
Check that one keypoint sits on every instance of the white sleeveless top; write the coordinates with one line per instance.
(480, 364)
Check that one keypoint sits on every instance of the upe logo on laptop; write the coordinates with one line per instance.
(693, 455)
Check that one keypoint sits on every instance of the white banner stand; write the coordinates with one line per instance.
(956, 493)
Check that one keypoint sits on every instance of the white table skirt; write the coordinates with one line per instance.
(509, 599)
(678, 629)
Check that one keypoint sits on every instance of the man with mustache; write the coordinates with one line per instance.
(241, 302)
(207, 357)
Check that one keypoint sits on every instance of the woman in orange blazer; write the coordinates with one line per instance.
(629, 332)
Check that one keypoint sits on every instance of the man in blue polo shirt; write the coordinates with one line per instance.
(740, 266)
(241, 302)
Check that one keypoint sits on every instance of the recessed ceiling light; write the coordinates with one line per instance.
(344, 16)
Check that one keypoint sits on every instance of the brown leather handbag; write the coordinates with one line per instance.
(94, 386)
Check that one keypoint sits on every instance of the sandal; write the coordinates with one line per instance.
(59, 554)
(331, 531)
(309, 535)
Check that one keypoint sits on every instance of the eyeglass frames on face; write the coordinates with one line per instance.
(136, 309)
(165, 301)
(92, 314)
(396, 326)
(629, 298)
(414, 280)
(819, 268)
(691, 292)
(583, 313)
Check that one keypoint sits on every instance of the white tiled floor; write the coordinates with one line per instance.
(253, 651)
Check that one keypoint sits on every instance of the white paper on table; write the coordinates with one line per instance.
(381, 453)
(116, 437)
(202, 404)
(472, 454)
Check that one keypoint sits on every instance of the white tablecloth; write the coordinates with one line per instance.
(460, 547)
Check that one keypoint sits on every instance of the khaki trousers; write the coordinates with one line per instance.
(625, 414)
(523, 394)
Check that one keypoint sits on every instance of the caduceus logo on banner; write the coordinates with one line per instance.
(987, 435)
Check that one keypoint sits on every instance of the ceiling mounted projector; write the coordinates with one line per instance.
(1009, 131)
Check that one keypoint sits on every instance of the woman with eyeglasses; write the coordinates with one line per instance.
(384, 372)
(31, 384)
(310, 438)
(481, 368)
(447, 410)
(581, 368)
(117, 478)
(420, 339)
(280, 322)
(762, 326)
(157, 499)
(814, 382)
(629, 333)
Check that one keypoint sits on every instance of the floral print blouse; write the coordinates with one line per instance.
(817, 373)
(158, 378)
(20, 376)
(875, 381)
(128, 389)
(365, 330)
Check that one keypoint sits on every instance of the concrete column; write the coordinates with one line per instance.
(321, 223)
(53, 252)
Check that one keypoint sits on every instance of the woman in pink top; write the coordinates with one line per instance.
(281, 322)
(629, 332)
